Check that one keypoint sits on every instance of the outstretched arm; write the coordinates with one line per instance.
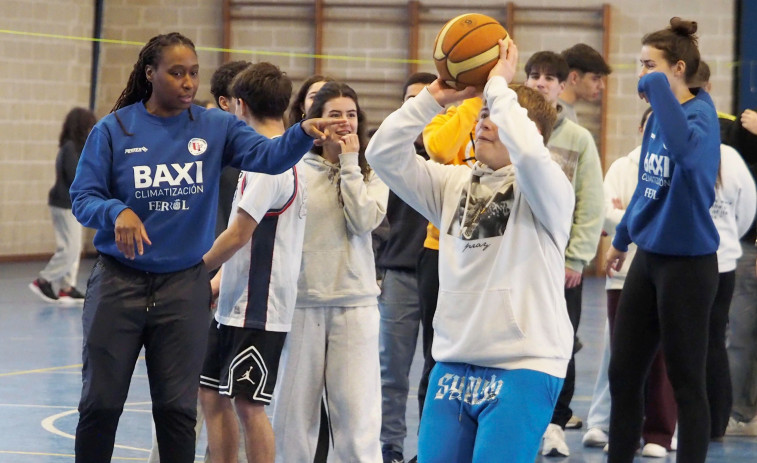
(248, 150)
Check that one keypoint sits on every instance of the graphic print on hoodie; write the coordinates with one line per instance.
(482, 213)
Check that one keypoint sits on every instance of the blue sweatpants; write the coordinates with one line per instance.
(474, 414)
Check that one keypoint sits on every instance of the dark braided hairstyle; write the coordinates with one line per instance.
(138, 88)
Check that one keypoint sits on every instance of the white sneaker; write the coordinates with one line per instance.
(654, 451)
(595, 437)
(553, 442)
(741, 428)
(673, 444)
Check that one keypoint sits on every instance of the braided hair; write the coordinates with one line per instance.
(138, 88)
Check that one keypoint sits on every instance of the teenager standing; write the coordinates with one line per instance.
(672, 281)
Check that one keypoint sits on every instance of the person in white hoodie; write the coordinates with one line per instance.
(502, 336)
(733, 213)
(334, 339)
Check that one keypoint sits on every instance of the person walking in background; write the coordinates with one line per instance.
(333, 343)
(147, 181)
(63, 268)
(672, 281)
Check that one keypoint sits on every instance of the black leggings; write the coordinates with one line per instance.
(665, 299)
(718, 373)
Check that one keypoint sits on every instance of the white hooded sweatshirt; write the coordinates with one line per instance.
(501, 248)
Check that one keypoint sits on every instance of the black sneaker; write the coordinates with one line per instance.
(413, 460)
(43, 289)
(392, 456)
(72, 296)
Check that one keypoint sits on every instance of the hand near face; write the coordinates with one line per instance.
(321, 127)
(130, 230)
(349, 143)
(508, 61)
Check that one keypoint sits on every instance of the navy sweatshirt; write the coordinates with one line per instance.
(669, 212)
(167, 171)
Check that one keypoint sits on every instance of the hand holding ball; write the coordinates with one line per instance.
(466, 50)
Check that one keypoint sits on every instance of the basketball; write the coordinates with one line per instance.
(466, 49)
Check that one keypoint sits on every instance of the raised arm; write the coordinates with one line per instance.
(545, 186)
(682, 134)
(392, 155)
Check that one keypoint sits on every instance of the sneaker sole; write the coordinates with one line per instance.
(65, 300)
(35, 289)
(555, 453)
(594, 444)
(574, 423)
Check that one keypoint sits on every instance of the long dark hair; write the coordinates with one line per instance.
(329, 91)
(76, 127)
(678, 43)
(297, 107)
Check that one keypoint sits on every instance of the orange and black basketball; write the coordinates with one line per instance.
(466, 49)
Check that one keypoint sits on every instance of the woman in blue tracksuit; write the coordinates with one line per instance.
(672, 281)
(147, 181)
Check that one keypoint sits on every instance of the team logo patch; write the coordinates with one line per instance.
(197, 146)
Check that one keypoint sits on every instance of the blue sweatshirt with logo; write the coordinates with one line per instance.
(669, 212)
(167, 171)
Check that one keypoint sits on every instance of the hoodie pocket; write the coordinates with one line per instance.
(477, 318)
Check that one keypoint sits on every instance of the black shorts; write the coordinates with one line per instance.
(242, 361)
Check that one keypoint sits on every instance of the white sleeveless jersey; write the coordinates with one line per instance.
(259, 282)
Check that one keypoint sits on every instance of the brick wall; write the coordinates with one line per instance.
(43, 77)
